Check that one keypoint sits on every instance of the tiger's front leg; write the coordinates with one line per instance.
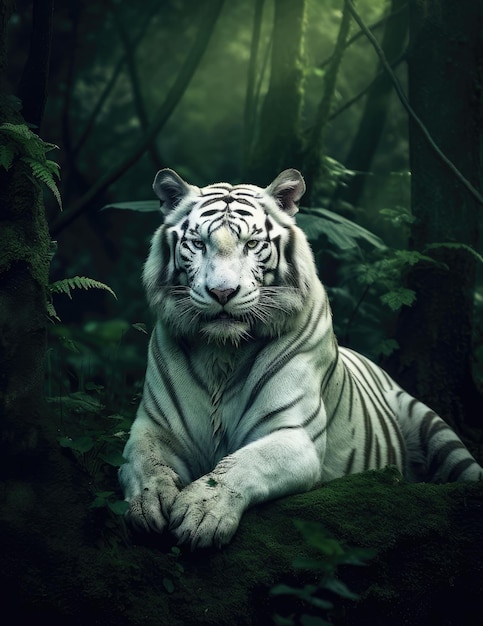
(150, 485)
(208, 511)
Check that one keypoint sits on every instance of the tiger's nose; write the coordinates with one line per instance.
(222, 295)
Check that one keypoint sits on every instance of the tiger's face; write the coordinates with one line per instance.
(221, 265)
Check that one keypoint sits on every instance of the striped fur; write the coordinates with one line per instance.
(247, 395)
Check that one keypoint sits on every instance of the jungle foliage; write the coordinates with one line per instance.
(237, 92)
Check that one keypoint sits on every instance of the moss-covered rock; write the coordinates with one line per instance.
(70, 564)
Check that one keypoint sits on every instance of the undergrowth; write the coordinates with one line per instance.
(315, 602)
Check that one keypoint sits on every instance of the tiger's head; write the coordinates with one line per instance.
(228, 262)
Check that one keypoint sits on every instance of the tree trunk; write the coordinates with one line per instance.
(376, 107)
(278, 141)
(24, 266)
(445, 77)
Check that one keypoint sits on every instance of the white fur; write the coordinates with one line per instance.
(248, 397)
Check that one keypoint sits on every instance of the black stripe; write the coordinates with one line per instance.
(159, 411)
(459, 468)
(223, 187)
(378, 453)
(329, 373)
(430, 425)
(308, 420)
(171, 390)
(368, 431)
(185, 349)
(350, 462)
(284, 358)
(269, 416)
(441, 455)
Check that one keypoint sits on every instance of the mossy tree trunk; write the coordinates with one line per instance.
(445, 77)
(278, 142)
(24, 266)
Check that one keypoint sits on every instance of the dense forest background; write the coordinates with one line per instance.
(354, 97)
(379, 104)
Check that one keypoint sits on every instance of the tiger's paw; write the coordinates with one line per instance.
(206, 513)
(149, 510)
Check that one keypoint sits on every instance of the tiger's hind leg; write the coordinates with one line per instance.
(435, 452)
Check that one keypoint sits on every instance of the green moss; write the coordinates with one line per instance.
(427, 569)
(25, 236)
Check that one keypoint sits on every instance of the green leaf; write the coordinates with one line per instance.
(305, 562)
(340, 588)
(398, 298)
(98, 503)
(316, 536)
(281, 590)
(90, 386)
(324, 605)
(387, 347)
(142, 206)
(168, 584)
(359, 556)
(342, 233)
(82, 444)
(141, 327)
(119, 507)
(283, 621)
(113, 458)
(312, 620)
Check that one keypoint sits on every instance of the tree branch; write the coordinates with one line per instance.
(313, 154)
(360, 33)
(366, 89)
(404, 101)
(110, 85)
(174, 96)
(134, 79)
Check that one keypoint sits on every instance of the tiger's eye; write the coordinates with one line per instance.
(251, 243)
(198, 244)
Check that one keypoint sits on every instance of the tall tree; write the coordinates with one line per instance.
(24, 254)
(445, 77)
(278, 140)
(376, 107)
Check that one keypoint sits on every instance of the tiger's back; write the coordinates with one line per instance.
(247, 395)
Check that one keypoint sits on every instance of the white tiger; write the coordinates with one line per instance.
(247, 395)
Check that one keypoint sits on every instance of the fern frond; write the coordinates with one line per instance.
(78, 282)
(53, 167)
(42, 171)
(29, 143)
(21, 131)
(51, 312)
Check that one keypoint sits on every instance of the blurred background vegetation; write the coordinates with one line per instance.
(226, 91)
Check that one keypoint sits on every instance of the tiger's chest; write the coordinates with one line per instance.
(218, 397)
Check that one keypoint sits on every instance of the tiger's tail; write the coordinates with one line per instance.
(435, 452)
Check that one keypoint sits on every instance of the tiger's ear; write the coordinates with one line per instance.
(287, 189)
(170, 189)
